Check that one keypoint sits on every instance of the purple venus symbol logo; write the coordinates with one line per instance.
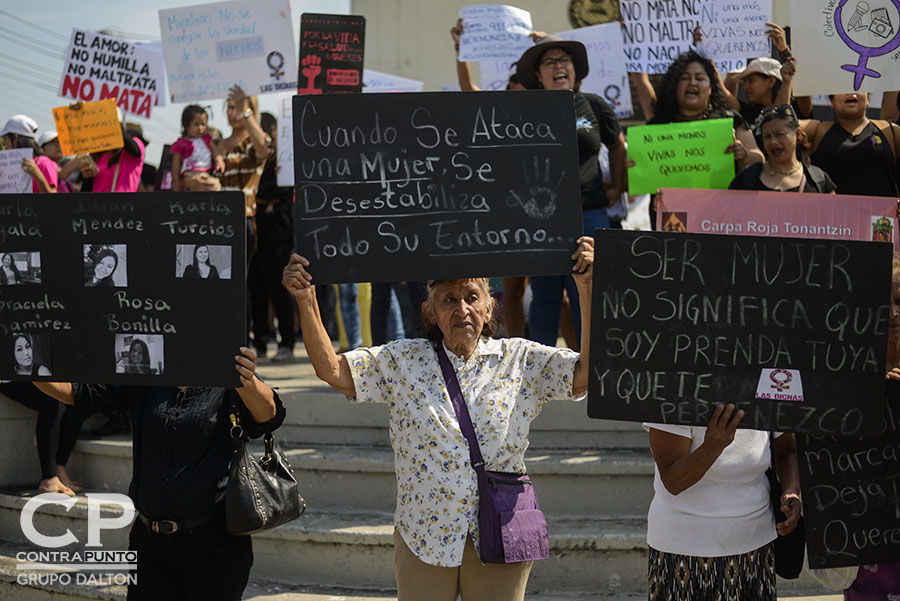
(880, 27)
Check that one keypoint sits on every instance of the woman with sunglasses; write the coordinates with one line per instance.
(786, 167)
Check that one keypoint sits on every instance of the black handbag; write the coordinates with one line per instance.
(789, 549)
(262, 492)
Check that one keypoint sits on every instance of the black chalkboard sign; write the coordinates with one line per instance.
(396, 187)
(793, 331)
(851, 494)
(331, 54)
(122, 288)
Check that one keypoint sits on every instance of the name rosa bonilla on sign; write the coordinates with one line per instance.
(792, 331)
(436, 175)
(122, 271)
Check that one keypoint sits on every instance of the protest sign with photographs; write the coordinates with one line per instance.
(394, 187)
(790, 330)
(331, 54)
(122, 288)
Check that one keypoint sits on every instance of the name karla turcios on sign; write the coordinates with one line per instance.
(792, 331)
(393, 187)
(851, 492)
(122, 288)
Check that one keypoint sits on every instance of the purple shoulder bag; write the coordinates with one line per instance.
(511, 526)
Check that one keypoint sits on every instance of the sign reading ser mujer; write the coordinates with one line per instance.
(396, 187)
(792, 331)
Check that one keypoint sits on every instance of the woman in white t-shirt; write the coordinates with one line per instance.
(710, 527)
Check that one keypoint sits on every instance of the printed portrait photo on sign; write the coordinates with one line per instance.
(20, 268)
(30, 354)
(207, 261)
(105, 265)
(139, 354)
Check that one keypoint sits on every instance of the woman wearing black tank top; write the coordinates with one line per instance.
(859, 154)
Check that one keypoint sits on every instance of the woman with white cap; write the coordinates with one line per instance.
(19, 132)
(67, 166)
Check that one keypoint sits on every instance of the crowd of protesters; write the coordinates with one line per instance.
(777, 145)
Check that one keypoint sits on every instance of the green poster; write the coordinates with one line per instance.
(681, 155)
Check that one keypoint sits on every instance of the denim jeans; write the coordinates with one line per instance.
(350, 314)
(547, 290)
(387, 318)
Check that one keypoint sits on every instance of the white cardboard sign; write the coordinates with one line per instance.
(494, 32)
(375, 81)
(100, 66)
(210, 47)
(846, 46)
(657, 31)
(285, 141)
(607, 76)
(13, 180)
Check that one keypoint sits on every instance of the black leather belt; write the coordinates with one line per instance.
(171, 527)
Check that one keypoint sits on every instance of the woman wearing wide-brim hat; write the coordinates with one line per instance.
(557, 64)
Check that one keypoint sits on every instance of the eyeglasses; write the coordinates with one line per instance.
(563, 61)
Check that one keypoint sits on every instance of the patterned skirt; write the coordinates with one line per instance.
(747, 577)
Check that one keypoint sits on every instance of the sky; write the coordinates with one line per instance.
(34, 37)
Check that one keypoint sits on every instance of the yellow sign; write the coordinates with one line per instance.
(94, 127)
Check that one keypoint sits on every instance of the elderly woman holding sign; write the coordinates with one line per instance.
(710, 527)
(456, 501)
(557, 64)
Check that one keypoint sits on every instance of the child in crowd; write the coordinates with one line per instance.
(195, 157)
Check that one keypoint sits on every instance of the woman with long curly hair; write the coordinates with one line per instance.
(691, 90)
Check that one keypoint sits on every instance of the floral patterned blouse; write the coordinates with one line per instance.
(505, 383)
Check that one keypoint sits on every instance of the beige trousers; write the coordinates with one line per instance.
(475, 581)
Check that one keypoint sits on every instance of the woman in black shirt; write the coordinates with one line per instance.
(182, 451)
(785, 168)
(557, 64)
(859, 154)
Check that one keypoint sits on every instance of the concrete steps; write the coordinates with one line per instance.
(361, 478)
(593, 477)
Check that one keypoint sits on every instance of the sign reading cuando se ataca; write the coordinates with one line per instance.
(394, 187)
